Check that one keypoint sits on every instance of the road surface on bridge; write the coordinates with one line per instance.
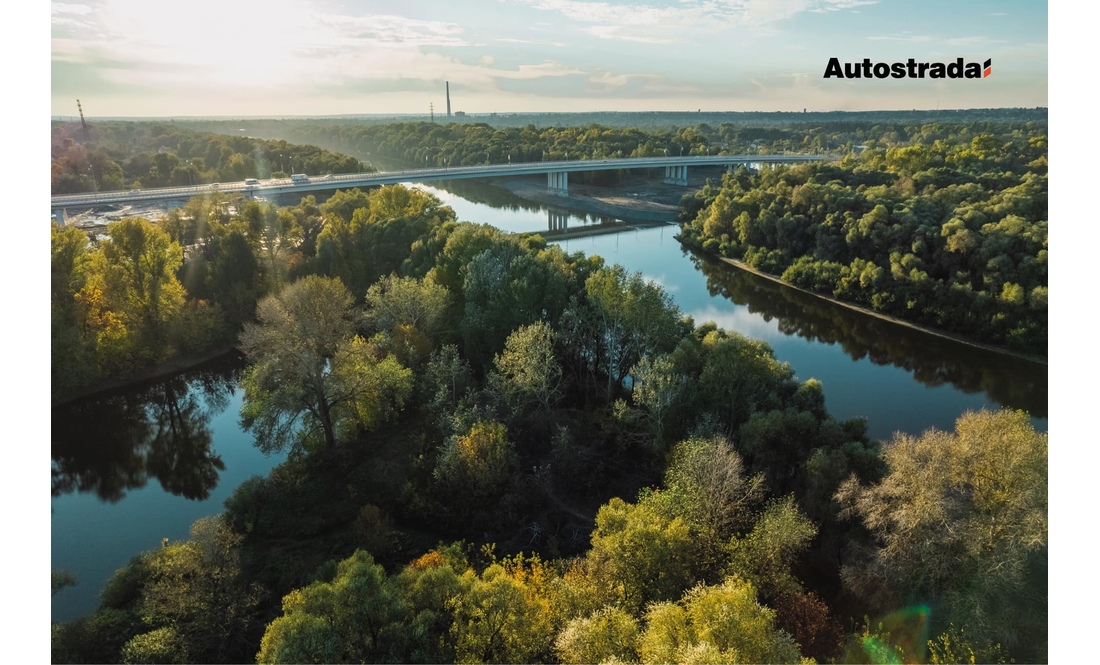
(277, 186)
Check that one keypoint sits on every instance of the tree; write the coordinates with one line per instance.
(608, 633)
(962, 517)
(740, 376)
(658, 387)
(478, 462)
(635, 318)
(640, 554)
(233, 277)
(307, 372)
(507, 287)
(163, 645)
(706, 484)
(526, 371)
(409, 310)
(196, 588)
(500, 619)
(716, 624)
(141, 265)
(767, 554)
(356, 617)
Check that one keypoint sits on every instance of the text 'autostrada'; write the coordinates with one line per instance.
(909, 69)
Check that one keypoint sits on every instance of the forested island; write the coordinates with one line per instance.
(502, 452)
(122, 155)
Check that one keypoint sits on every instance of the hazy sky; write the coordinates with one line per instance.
(316, 57)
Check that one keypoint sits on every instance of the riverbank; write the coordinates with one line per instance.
(868, 312)
(152, 373)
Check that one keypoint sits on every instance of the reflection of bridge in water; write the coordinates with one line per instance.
(557, 220)
(557, 225)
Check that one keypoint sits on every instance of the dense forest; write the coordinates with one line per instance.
(457, 144)
(949, 233)
(121, 155)
(501, 452)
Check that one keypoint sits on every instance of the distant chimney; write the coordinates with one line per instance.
(448, 99)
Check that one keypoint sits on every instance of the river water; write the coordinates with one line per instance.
(141, 464)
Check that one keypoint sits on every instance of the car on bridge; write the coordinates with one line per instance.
(251, 181)
(299, 177)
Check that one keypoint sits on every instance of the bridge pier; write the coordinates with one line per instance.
(59, 215)
(676, 175)
(557, 221)
(557, 183)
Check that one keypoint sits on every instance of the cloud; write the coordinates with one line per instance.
(652, 24)
(972, 40)
(530, 41)
(128, 43)
(62, 8)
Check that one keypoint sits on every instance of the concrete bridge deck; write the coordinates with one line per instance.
(557, 177)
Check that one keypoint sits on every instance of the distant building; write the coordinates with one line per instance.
(460, 114)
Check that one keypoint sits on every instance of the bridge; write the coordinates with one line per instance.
(557, 178)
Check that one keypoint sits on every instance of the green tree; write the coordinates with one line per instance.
(356, 617)
(196, 588)
(766, 555)
(609, 633)
(479, 461)
(961, 517)
(658, 387)
(640, 554)
(527, 371)
(636, 318)
(308, 374)
(140, 278)
(163, 645)
(500, 619)
(706, 484)
(716, 624)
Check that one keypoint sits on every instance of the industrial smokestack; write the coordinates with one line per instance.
(448, 99)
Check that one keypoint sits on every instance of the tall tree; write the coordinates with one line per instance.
(308, 374)
(961, 517)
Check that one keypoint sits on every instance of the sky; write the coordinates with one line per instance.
(146, 58)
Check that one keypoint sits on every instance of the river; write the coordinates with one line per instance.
(137, 465)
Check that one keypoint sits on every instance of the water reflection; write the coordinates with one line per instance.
(112, 444)
(1012, 382)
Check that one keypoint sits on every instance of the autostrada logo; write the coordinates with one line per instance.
(909, 69)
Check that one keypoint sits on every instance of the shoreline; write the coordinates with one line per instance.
(955, 337)
(157, 371)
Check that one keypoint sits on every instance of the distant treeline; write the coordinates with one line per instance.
(457, 144)
(948, 232)
(121, 155)
(663, 120)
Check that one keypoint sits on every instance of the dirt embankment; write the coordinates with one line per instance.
(870, 312)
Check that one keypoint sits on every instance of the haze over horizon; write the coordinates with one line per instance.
(125, 58)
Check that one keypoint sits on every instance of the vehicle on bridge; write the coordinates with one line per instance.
(299, 177)
(251, 181)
